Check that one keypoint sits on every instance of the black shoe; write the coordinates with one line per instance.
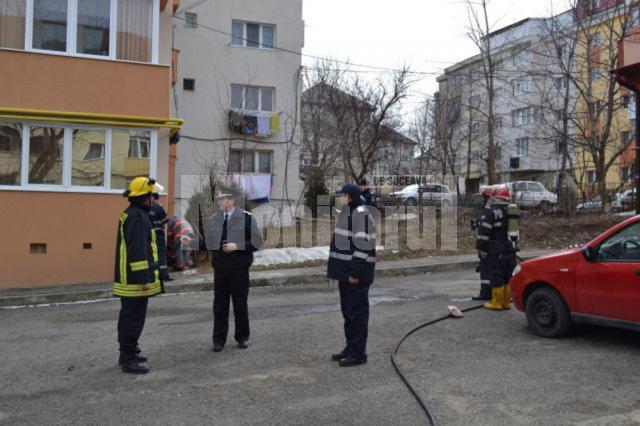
(140, 359)
(350, 362)
(481, 298)
(243, 344)
(218, 348)
(168, 280)
(338, 356)
(133, 367)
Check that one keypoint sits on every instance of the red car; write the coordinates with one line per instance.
(595, 283)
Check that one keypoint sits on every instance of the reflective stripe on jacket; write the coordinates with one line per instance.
(353, 246)
(136, 256)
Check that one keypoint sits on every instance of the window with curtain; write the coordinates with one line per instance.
(127, 156)
(46, 146)
(50, 25)
(135, 30)
(93, 27)
(87, 167)
(10, 153)
(12, 18)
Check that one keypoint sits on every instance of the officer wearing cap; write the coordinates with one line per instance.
(136, 272)
(232, 235)
(352, 257)
(370, 197)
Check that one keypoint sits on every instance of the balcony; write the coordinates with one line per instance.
(65, 83)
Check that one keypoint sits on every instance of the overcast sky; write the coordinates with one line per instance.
(428, 35)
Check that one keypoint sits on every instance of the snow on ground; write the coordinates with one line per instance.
(286, 255)
(627, 214)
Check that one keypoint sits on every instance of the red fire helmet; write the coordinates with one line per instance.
(501, 191)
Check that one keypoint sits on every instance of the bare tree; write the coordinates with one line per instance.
(361, 113)
(479, 30)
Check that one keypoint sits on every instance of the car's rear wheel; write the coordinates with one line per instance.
(411, 202)
(547, 313)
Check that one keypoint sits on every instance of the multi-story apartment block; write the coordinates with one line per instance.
(239, 93)
(84, 107)
(528, 97)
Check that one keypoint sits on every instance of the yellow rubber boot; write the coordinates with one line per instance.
(506, 297)
(496, 304)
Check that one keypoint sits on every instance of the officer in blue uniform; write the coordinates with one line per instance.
(352, 259)
(232, 235)
(370, 197)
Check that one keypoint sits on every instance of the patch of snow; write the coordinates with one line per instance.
(627, 214)
(287, 255)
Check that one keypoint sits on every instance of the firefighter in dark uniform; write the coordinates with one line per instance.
(352, 259)
(159, 220)
(495, 246)
(370, 197)
(483, 267)
(232, 235)
(136, 272)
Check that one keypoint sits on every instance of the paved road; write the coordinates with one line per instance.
(58, 364)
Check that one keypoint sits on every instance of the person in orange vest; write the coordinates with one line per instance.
(179, 237)
(137, 276)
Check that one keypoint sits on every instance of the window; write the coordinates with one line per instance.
(129, 156)
(591, 177)
(521, 86)
(623, 246)
(624, 174)
(594, 73)
(596, 40)
(259, 36)
(10, 153)
(474, 101)
(246, 161)
(64, 157)
(251, 98)
(452, 82)
(46, 146)
(81, 27)
(561, 83)
(528, 115)
(625, 136)
(499, 93)
(497, 123)
(523, 147)
(625, 100)
(521, 58)
(87, 166)
(190, 20)
(92, 37)
(475, 128)
(476, 75)
(12, 23)
(50, 25)
(188, 84)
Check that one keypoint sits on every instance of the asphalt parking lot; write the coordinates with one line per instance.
(58, 364)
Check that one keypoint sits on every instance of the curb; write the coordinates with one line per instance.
(275, 278)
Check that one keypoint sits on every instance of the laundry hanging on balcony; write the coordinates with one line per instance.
(261, 125)
(257, 187)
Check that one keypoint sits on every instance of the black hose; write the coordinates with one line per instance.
(416, 395)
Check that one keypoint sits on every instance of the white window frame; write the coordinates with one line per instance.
(244, 35)
(256, 161)
(244, 88)
(67, 158)
(521, 86)
(72, 20)
(520, 143)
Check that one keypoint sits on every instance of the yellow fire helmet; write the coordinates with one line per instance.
(140, 186)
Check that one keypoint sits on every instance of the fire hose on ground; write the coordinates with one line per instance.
(453, 313)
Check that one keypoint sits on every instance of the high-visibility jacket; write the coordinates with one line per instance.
(176, 228)
(136, 256)
(353, 246)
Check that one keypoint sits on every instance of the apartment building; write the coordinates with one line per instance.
(528, 99)
(239, 90)
(84, 107)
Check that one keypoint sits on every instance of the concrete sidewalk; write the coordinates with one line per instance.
(278, 277)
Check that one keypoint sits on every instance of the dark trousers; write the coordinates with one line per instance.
(162, 256)
(230, 284)
(354, 303)
(485, 278)
(501, 266)
(133, 312)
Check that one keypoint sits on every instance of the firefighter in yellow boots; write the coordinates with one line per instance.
(496, 244)
(136, 272)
